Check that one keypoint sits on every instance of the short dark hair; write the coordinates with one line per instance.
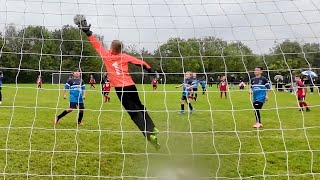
(298, 76)
(261, 68)
(76, 70)
(116, 46)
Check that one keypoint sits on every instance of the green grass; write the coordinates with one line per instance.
(217, 143)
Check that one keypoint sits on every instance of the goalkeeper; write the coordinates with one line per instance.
(116, 64)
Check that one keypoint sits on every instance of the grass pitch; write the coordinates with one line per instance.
(217, 141)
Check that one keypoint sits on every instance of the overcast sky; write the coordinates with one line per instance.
(149, 23)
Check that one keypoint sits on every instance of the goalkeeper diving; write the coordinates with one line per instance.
(116, 64)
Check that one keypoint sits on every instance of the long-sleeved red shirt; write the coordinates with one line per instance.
(117, 65)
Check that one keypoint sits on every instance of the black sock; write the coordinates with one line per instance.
(62, 114)
(144, 122)
(257, 107)
(0, 96)
(258, 117)
(196, 95)
(80, 117)
(182, 107)
(190, 106)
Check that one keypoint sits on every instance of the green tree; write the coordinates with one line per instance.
(287, 55)
(36, 49)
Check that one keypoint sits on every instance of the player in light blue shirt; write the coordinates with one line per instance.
(195, 84)
(204, 86)
(260, 89)
(1, 79)
(76, 88)
(186, 90)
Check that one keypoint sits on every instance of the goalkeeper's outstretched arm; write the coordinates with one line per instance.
(98, 46)
(116, 46)
(139, 62)
(81, 22)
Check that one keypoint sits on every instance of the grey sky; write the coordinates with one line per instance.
(149, 23)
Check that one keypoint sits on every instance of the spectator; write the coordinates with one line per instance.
(232, 80)
(218, 81)
(241, 79)
(312, 82)
(211, 80)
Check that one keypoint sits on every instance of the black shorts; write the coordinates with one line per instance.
(184, 98)
(105, 93)
(0, 88)
(195, 89)
(301, 98)
(257, 105)
(155, 86)
(74, 105)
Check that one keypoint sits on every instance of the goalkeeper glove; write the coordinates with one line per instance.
(85, 28)
(82, 23)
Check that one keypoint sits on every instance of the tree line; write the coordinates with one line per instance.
(26, 52)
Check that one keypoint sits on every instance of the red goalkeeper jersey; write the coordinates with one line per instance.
(117, 64)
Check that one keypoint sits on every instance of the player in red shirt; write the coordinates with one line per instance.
(301, 94)
(223, 87)
(154, 84)
(116, 64)
(92, 81)
(39, 82)
(106, 90)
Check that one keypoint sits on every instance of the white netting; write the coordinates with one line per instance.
(209, 37)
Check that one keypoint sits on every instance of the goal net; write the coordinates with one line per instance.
(61, 78)
(215, 39)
